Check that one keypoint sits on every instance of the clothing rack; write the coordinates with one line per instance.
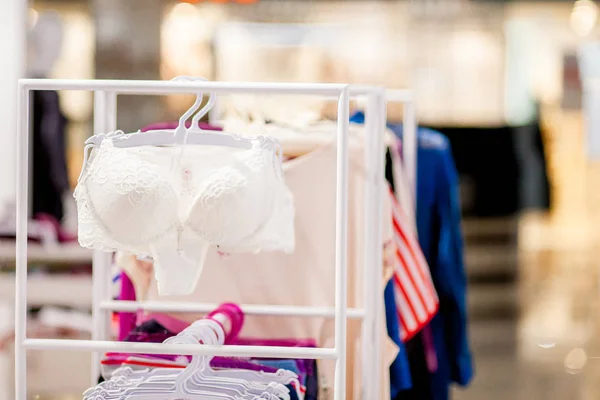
(105, 112)
(409, 138)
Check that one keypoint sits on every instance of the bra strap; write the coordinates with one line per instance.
(91, 143)
(269, 143)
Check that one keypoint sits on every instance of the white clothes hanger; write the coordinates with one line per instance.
(252, 383)
(183, 136)
(156, 382)
(257, 385)
(126, 378)
(281, 377)
(197, 381)
(203, 375)
(181, 387)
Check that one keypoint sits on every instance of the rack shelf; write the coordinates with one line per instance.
(62, 254)
(105, 112)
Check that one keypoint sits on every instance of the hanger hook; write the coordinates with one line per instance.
(204, 330)
(212, 100)
(181, 131)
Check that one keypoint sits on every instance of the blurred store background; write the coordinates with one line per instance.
(510, 83)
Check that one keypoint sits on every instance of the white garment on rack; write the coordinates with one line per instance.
(173, 203)
(405, 195)
(301, 136)
(306, 277)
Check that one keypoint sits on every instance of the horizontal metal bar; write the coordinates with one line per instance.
(166, 87)
(181, 349)
(263, 310)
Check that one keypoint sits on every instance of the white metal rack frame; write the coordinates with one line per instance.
(105, 111)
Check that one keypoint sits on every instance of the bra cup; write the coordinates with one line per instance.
(230, 204)
(276, 232)
(135, 203)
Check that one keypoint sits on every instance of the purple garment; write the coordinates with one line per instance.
(216, 362)
(232, 363)
(306, 369)
(153, 332)
(127, 320)
(276, 342)
(172, 125)
(429, 348)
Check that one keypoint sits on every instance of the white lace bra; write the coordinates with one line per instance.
(172, 203)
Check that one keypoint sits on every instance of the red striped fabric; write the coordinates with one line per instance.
(416, 299)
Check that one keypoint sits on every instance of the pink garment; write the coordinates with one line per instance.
(246, 341)
(429, 349)
(176, 325)
(63, 235)
(170, 323)
(127, 320)
(228, 315)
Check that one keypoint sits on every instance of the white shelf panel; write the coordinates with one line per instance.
(70, 253)
(56, 289)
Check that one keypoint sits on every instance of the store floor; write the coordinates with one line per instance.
(535, 295)
(536, 335)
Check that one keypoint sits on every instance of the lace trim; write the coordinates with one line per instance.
(275, 230)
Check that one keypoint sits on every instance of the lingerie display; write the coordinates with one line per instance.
(402, 374)
(199, 215)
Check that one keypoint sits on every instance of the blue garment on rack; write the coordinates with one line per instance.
(400, 376)
(440, 236)
(292, 393)
(306, 371)
(400, 369)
